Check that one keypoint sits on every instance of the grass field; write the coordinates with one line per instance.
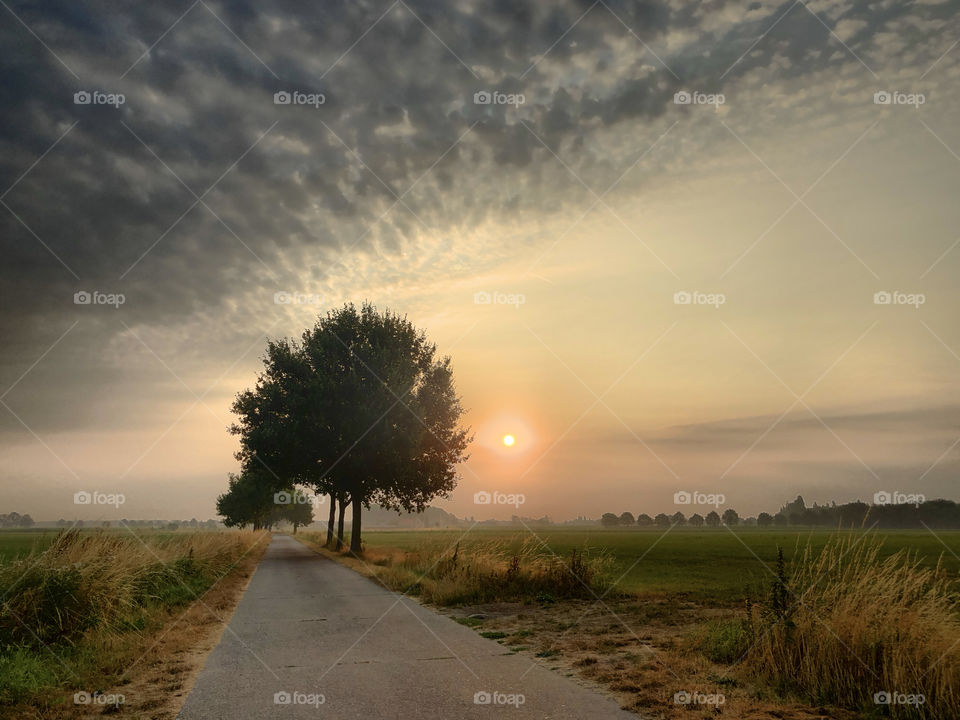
(709, 565)
(80, 607)
(17, 543)
(650, 614)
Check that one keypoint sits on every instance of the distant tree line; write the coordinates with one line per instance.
(15, 520)
(929, 513)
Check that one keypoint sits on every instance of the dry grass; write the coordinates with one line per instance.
(851, 624)
(78, 613)
(486, 571)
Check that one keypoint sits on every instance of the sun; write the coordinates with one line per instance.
(509, 440)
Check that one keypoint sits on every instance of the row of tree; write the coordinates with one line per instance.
(931, 513)
(15, 519)
(248, 502)
(711, 519)
(360, 409)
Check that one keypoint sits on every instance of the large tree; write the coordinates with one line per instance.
(362, 409)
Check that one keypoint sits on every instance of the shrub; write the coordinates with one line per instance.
(847, 625)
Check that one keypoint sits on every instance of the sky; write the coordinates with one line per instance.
(703, 247)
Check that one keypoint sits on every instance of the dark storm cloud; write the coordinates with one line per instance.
(114, 204)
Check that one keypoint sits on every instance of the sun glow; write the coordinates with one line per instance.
(509, 440)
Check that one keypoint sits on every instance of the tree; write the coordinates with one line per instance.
(764, 519)
(362, 409)
(26, 521)
(293, 507)
(249, 500)
(712, 519)
(696, 520)
(730, 517)
(662, 520)
(678, 519)
(626, 518)
(780, 520)
(609, 520)
(644, 520)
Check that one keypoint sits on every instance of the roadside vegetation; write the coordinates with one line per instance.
(77, 615)
(488, 571)
(798, 624)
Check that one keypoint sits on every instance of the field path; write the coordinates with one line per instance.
(308, 626)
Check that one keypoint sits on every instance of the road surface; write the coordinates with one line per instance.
(313, 639)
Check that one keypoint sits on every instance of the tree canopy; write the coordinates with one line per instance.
(359, 408)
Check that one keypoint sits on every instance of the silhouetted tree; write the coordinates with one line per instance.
(609, 520)
(626, 518)
(730, 517)
(644, 520)
(764, 519)
(696, 520)
(678, 519)
(712, 519)
(662, 520)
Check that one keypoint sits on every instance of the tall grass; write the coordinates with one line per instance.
(488, 571)
(845, 624)
(88, 587)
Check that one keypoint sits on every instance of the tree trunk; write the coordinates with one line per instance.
(355, 546)
(331, 519)
(343, 510)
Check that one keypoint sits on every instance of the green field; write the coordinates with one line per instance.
(17, 543)
(708, 565)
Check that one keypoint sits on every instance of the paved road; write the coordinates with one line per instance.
(311, 628)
